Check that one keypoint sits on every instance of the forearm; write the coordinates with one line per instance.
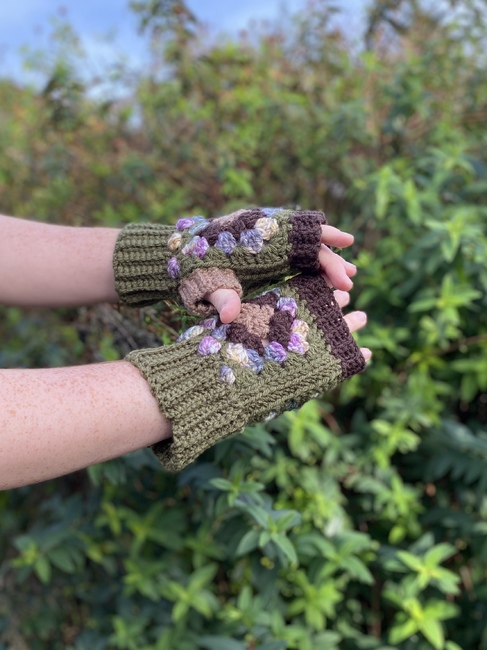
(44, 265)
(59, 420)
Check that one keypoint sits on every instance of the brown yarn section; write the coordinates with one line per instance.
(322, 304)
(238, 333)
(305, 240)
(242, 220)
(255, 318)
(280, 327)
(201, 282)
(269, 299)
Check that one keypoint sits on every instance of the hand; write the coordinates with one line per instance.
(337, 271)
(355, 319)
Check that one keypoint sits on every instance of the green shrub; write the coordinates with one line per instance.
(359, 521)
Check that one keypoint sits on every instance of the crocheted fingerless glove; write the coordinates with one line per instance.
(287, 346)
(241, 251)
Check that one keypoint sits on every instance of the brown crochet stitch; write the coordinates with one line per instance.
(305, 240)
(238, 333)
(256, 318)
(268, 299)
(205, 281)
(328, 317)
(280, 327)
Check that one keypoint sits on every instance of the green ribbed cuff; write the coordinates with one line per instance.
(140, 263)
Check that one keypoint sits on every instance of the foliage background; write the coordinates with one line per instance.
(359, 521)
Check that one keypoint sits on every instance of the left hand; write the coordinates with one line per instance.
(337, 271)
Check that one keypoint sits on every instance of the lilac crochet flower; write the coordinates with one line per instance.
(201, 247)
(255, 362)
(298, 343)
(173, 268)
(227, 375)
(209, 345)
(288, 304)
(275, 352)
(209, 323)
(226, 242)
(192, 245)
(251, 240)
(220, 332)
(184, 223)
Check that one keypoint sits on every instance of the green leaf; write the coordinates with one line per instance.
(210, 642)
(179, 611)
(401, 632)
(222, 484)
(43, 569)
(286, 547)
(433, 631)
(248, 543)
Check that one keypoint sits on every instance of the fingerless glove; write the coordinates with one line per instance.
(288, 345)
(241, 251)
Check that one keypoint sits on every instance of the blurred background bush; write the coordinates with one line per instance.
(361, 520)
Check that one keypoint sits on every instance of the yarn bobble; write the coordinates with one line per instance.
(209, 345)
(174, 241)
(173, 269)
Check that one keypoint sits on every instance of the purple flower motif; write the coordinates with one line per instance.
(188, 249)
(209, 345)
(297, 343)
(227, 375)
(209, 323)
(184, 223)
(255, 362)
(173, 268)
(288, 304)
(252, 241)
(220, 332)
(275, 352)
(226, 242)
(199, 224)
(269, 212)
(201, 247)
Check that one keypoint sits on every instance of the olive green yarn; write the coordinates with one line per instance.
(140, 264)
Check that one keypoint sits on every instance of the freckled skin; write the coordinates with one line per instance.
(55, 266)
(59, 420)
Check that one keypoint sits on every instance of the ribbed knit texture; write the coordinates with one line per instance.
(154, 262)
(288, 345)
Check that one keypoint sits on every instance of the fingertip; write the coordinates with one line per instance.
(351, 269)
(366, 353)
(230, 310)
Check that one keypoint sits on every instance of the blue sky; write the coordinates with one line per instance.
(27, 22)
